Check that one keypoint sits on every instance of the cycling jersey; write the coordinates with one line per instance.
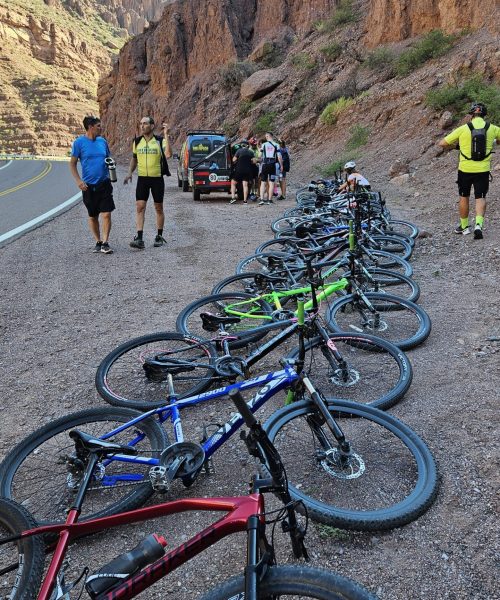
(148, 155)
(464, 137)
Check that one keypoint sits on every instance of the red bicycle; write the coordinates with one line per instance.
(22, 550)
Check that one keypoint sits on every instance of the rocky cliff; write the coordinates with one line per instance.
(53, 53)
(247, 65)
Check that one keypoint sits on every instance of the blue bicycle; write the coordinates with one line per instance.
(352, 465)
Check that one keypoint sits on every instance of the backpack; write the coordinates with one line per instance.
(163, 159)
(478, 143)
(286, 160)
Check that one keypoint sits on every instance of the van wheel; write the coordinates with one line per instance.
(196, 195)
(185, 185)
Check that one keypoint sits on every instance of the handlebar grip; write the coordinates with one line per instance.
(242, 407)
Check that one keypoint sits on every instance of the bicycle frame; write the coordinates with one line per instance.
(270, 383)
(240, 510)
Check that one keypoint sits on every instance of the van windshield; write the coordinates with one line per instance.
(201, 147)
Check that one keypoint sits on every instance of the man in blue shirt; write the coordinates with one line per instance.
(91, 150)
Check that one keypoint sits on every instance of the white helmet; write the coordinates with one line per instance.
(350, 165)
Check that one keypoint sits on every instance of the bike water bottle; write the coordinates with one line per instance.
(110, 163)
(125, 565)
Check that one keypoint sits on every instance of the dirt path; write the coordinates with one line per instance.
(63, 308)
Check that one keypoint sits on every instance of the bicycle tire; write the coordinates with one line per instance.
(392, 282)
(23, 582)
(387, 260)
(392, 244)
(123, 380)
(189, 322)
(386, 455)
(41, 459)
(271, 263)
(378, 373)
(401, 226)
(403, 323)
(294, 581)
(245, 282)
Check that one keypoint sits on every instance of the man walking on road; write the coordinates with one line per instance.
(149, 155)
(91, 150)
(475, 142)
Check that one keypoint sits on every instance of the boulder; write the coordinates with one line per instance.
(398, 167)
(260, 84)
(446, 120)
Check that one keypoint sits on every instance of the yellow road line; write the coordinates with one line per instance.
(46, 171)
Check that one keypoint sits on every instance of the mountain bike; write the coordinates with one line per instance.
(22, 551)
(398, 468)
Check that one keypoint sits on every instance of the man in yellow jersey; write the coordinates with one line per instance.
(475, 142)
(149, 153)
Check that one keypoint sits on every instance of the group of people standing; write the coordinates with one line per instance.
(149, 157)
(260, 169)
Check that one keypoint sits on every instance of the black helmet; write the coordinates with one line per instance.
(478, 108)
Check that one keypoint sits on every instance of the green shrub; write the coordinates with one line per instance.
(271, 55)
(431, 45)
(234, 73)
(332, 51)
(458, 97)
(304, 60)
(337, 164)
(265, 123)
(380, 58)
(359, 137)
(245, 107)
(343, 14)
(296, 108)
(332, 110)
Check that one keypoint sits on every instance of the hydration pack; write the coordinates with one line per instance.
(478, 143)
(286, 160)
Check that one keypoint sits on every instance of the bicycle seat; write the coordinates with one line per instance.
(156, 368)
(211, 322)
(84, 441)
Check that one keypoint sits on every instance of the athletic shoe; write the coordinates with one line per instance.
(281, 198)
(233, 200)
(159, 241)
(105, 249)
(461, 230)
(478, 232)
(262, 201)
(97, 247)
(137, 243)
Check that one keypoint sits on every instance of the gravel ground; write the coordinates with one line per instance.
(63, 308)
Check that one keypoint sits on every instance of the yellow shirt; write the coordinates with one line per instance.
(463, 135)
(148, 156)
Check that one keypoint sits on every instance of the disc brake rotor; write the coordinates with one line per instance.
(341, 467)
(338, 377)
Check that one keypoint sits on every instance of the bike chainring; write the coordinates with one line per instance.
(223, 366)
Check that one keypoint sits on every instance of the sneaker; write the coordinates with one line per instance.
(105, 249)
(137, 243)
(97, 247)
(280, 198)
(233, 200)
(262, 201)
(461, 231)
(478, 232)
(159, 241)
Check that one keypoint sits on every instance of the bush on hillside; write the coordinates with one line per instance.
(431, 45)
(359, 137)
(333, 110)
(265, 123)
(458, 97)
(380, 58)
(343, 14)
(331, 51)
(235, 73)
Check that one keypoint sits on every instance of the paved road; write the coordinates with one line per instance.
(31, 191)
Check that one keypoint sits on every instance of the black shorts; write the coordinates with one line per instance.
(268, 172)
(480, 181)
(98, 198)
(155, 185)
(242, 176)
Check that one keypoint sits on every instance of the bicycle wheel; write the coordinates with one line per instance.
(385, 260)
(189, 321)
(403, 323)
(391, 244)
(245, 282)
(386, 281)
(389, 479)
(132, 374)
(21, 562)
(37, 474)
(375, 372)
(294, 581)
(400, 226)
(271, 263)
